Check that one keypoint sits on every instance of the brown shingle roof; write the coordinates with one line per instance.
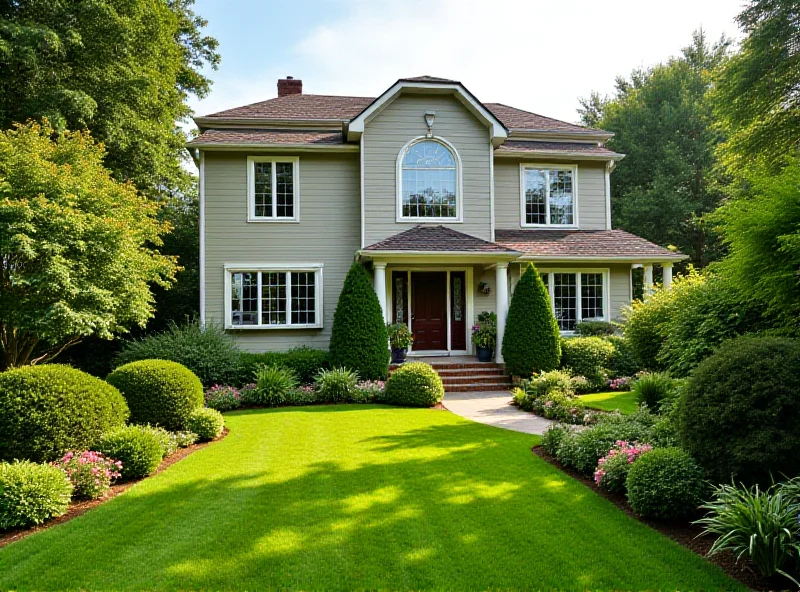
(583, 244)
(529, 147)
(514, 118)
(437, 238)
(301, 107)
(430, 79)
(257, 136)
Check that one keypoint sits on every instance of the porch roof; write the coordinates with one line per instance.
(438, 240)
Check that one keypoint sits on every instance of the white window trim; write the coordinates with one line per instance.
(251, 189)
(399, 177)
(606, 291)
(540, 166)
(316, 268)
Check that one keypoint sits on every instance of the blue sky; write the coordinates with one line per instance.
(539, 56)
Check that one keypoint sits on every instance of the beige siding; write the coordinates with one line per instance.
(328, 233)
(591, 194)
(403, 120)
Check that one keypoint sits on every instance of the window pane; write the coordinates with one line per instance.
(429, 182)
(565, 300)
(244, 299)
(304, 308)
(429, 154)
(535, 212)
(263, 189)
(591, 296)
(284, 181)
(561, 197)
(273, 298)
(399, 299)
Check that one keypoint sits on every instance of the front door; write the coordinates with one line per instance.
(429, 310)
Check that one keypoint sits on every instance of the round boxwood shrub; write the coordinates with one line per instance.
(139, 448)
(31, 493)
(48, 410)
(587, 357)
(206, 423)
(665, 483)
(158, 392)
(414, 384)
(740, 415)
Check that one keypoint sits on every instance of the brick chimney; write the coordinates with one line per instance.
(289, 86)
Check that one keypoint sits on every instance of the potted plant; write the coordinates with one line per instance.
(484, 335)
(400, 339)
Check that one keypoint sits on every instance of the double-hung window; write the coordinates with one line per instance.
(548, 195)
(577, 295)
(273, 297)
(272, 189)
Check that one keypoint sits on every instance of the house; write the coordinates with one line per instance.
(441, 197)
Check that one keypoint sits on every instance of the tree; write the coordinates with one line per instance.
(122, 70)
(532, 342)
(77, 248)
(359, 340)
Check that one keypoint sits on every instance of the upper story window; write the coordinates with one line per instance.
(272, 189)
(549, 195)
(429, 180)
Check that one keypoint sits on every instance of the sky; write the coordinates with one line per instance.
(533, 55)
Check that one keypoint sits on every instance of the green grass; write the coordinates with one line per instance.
(360, 497)
(625, 401)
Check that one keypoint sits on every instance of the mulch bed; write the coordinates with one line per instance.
(683, 533)
(82, 506)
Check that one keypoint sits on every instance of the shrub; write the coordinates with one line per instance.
(549, 382)
(158, 392)
(587, 357)
(47, 410)
(273, 384)
(223, 398)
(612, 469)
(559, 406)
(359, 340)
(653, 388)
(31, 493)
(206, 423)
(90, 473)
(303, 395)
(532, 339)
(554, 436)
(623, 361)
(740, 415)
(665, 483)
(208, 352)
(304, 361)
(336, 385)
(594, 328)
(551, 395)
(414, 384)
(139, 448)
(369, 391)
(171, 441)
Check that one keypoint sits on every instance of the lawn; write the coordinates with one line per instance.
(625, 401)
(356, 497)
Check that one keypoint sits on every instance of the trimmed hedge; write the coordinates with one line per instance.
(588, 357)
(31, 493)
(206, 423)
(532, 339)
(623, 361)
(139, 448)
(414, 384)
(594, 329)
(47, 410)
(359, 340)
(304, 361)
(665, 483)
(740, 415)
(158, 392)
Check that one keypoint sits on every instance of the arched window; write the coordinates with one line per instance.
(429, 181)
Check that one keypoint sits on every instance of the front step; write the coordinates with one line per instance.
(464, 388)
(468, 376)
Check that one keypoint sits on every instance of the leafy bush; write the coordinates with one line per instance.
(559, 406)
(551, 395)
(158, 392)
(653, 388)
(304, 361)
(303, 395)
(139, 448)
(548, 382)
(587, 357)
(665, 483)
(740, 415)
(90, 473)
(612, 469)
(594, 329)
(176, 440)
(206, 423)
(208, 352)
(359, 340)
(273, 384)
(532, 339)
(47, 410)
(554, 436)
(623, 362)
(369, 391)
(31, 493)
(336, 385)
(414, 384)
(223, 398)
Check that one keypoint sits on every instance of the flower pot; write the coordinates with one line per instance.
(484, 354)
(398, 355)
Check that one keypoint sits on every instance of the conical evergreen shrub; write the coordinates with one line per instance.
(532, 340)
(359, 340)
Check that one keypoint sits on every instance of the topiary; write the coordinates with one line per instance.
(665, 483)
(414, 384)
(594, 329)
(531, 341)
(336, 385)
(158, 392)
(31, 493)
(273, 384)
(587, 357)
(206, 423)
(740, 414)
(359, 340)
(139, 448)
(653, 388)
(47, 410)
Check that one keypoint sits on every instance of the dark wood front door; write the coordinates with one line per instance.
(429, 310)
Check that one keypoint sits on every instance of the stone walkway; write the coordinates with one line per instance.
(492, 408)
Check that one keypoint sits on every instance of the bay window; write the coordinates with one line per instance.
(577, 295)
(548, 195)
(272, 189)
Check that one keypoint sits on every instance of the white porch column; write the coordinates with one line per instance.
(501, 291)
(648, 279)
(379, 283)
(667, 269)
